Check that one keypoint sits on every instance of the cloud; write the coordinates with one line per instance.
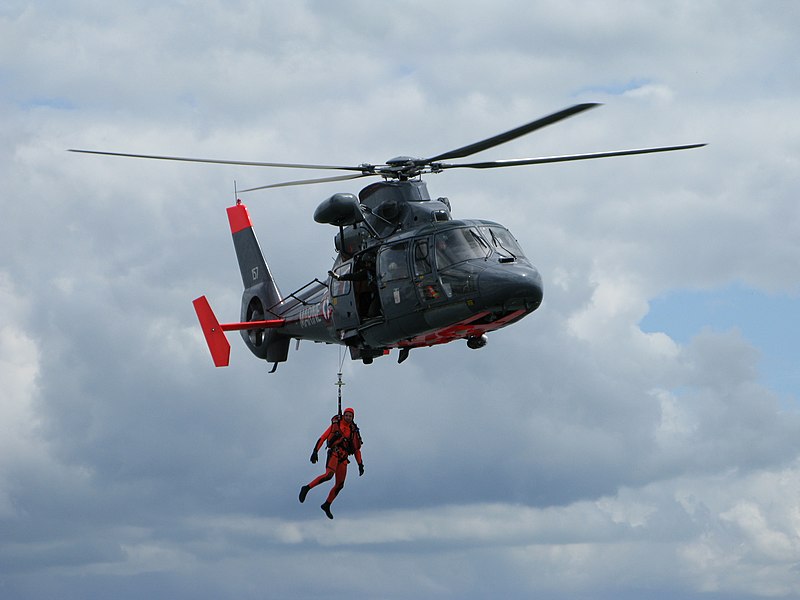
(19, 366)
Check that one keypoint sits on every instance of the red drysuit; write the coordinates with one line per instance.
(343, 439)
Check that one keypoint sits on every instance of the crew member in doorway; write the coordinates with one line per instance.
(343, 439)
(366, 286)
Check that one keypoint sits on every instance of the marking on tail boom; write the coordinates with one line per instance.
(316, 313)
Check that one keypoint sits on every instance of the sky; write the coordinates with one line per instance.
(637, 435)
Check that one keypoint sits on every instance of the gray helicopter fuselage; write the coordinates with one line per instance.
(406, 276)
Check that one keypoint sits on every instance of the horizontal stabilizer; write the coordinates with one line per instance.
(213, 331)
(249, 325)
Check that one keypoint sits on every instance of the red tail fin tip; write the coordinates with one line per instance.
(239, 218)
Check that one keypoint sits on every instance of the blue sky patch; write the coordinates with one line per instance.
(768, 321)
(614, 88)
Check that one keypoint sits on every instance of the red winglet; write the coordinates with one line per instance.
(215, 336)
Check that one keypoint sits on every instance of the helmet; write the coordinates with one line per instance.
(350, 410)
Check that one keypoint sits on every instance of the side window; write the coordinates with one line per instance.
(338, 287)
(422, 261)
(392, 262)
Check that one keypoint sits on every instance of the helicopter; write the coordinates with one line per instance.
(407, 274)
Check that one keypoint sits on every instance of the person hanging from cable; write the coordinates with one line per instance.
(343, 439)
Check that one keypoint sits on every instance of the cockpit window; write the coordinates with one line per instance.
(502, 241)
(457, 245)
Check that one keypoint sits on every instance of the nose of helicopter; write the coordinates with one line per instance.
(511, 286)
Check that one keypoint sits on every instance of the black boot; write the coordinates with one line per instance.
(304, 493)
(327, 508)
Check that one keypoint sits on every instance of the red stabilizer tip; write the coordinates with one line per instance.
(215, 336)
(239, 218)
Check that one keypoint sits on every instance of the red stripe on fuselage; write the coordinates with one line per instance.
(462, 330)
(239, 218)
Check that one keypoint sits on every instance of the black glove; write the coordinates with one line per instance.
(314, 457)
(360, 469)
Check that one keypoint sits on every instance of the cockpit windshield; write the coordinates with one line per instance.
(457, 245)
(502, 241)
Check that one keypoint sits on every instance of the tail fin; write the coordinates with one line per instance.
(215, 336)
(254, 269)
(261, 293)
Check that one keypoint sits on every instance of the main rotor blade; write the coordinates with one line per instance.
(224, 162)
(514, 162)
(512, 134)
(308, 181)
